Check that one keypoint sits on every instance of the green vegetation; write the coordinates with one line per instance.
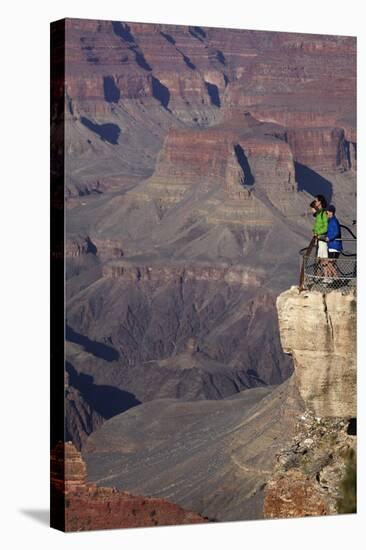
(347, 502)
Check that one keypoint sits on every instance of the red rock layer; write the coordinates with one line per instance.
(295, 80)
(293, 495)
(301, 82)
(320, 148)
(216, 156)
(97, 49)
(85, 506)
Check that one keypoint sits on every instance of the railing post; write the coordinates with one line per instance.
(305, 255)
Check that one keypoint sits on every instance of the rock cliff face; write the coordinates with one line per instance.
(230, 156)
(319, 331)
(307, 142)
(88, 507)
(80, 418)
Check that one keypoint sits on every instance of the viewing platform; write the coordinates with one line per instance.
(327, 274)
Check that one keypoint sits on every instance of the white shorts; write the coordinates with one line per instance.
(322, 249)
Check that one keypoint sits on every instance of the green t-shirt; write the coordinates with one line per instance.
(321, 223)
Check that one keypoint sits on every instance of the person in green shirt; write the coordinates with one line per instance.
(320, 227)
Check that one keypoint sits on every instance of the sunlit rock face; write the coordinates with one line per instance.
(319, 331)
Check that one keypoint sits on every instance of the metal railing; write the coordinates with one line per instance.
(327, 274)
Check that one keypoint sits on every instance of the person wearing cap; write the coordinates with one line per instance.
(334, 232)
(333, 241)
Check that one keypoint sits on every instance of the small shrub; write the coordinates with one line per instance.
(347, 502)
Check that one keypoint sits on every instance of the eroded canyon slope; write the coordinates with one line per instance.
(212, 457)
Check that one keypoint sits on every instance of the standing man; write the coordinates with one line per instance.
(320, 228)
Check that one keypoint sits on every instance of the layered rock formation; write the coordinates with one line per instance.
(84, 506)
(319, 331)
(121, 92)
(80, 418)
(230, 156)
(155, 274)
(123, 327)
(307, 142)
(76, 247)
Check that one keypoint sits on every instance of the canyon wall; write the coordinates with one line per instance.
(123, 96)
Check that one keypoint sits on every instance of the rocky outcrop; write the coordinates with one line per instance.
(79, 505)
(319, 331)
(307, 479)
(349, 124)
(126, 272)
(293, 494)
(225, 161)
(80, 418)
(319, 148)
(104, 248)
(79, 246)
(68, 470)
(109, 248)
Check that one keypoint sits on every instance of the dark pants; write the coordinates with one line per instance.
(333, 254)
